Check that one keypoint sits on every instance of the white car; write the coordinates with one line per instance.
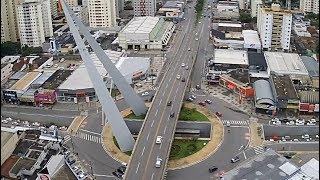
(290, 123)
(14, 123)
(197, 39)
(312, 120)
(158, 162)
(63, 128)
(295, 140)
(35, 124)
(228, 123)
(311, 124)
(193, 97)
(159, 140)
(145, 94)
(299, 123)
(4, 121)
(189, 49)
(276, 122)
(25, 122)
(9, 119)
(187, 67)
(183, 65)
(178, 76)
(317, 136)
(306, 136)
(139, 85)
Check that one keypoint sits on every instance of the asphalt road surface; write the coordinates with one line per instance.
(158, 121)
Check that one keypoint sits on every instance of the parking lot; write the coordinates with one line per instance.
(294, 122)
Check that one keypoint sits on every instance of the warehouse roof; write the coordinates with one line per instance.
(9, 59)
(311, 65)
(140, 25)
(251, 37)
(263, 92)
(309, 97)
(284, 87)
(285, 63)
(42, 78)
(24, 82)
(129, 65)
(80, 78)
(229, 56)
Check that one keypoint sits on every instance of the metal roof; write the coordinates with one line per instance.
(229, 56)
(309, 96)
(263, 92)
(311, 65)
(140, 25)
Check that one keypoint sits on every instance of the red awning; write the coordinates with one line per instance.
(231, 86)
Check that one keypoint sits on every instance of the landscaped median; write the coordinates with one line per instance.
(183, 152)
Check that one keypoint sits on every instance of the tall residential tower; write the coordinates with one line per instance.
(102, 14)
(9, 25)
(144, 7)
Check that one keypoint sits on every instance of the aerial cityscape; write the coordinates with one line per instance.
(160, 89)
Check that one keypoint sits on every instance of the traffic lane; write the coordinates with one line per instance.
(35, 111)
(219, 105)
(94, 122)
(294, 146)
(94, 153)
(221, 158)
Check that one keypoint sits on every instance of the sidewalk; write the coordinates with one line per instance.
(209, 149)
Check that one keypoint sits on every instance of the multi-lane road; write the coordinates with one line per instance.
(158, 121)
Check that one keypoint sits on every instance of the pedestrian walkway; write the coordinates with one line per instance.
(258, 149)
(193, 89)
(89, 137)
(66, 139)
(154, 88)
(234, 122)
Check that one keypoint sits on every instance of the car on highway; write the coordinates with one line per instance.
(187, 67)
(178, 76)
(158, 162)
(208, 101)
(145, 94)
(159, 140)
(172, 114)
(183, 65)
(202, 103)
(183, 80)
(290, 123)
(169, 103)
(197, 39)
(198, 87)
(235, 159)
(213, 169)
(228, 123)
(189, 49)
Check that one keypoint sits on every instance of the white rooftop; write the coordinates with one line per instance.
(251, 37)
(229, 25)
(140, 25)
(311, 168)
(9, 59)
(285, 63)
(79, 79)
(132, 65)
(229, 56)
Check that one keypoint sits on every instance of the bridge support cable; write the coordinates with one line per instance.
(119, 127)
(130, 96)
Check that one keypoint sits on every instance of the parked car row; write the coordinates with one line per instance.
(305, 137)
(75, 167)
(297, 122)
(120, 171)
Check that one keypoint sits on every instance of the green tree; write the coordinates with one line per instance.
(10, 48)
(245, 18)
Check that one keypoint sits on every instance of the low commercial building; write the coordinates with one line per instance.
(145, 33)
(251, 40)
(258, 67)
(309, 102)
(227, 35)
(227, 10)
(78, 87)
(264, 100)
(172, 9)
(287, 99)
(7, 63)
(9, 142)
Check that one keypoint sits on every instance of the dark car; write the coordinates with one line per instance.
(183, 80)
(122, 169)
(197, 86)
(172, 114)
(235, 159)
(213, 169)
(169, 103)
(116, 174)
(202, 103)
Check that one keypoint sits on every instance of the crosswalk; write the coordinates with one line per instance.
(154, 88)
(258, 149)
(234, 122)
(193, 89)
(83, 135)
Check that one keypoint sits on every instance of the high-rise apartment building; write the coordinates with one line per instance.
(144, 7)
(34, 22)
(102, 13)
(82, 13)
(254, 7)
(274, 26)
(309, 6)
(54, 8)
(9, 25)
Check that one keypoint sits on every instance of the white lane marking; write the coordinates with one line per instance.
(148, 136)
(244, 154)
(160, 101)
(152, 123)
(137, 168)
(143, 150)
(174, 98)
(104, 175)
(89, 131)
(160, 146)
(156, 112)
(152, 176)
(177, 90)
(167, 86)
(165, 129)
(240, 147)
(163, 93)
(45, 115)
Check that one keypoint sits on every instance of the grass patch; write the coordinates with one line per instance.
(116, 143)
(132, 116)
(187, 114)
(182, 148)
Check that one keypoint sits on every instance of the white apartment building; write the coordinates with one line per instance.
(309, 6)
(144, 7)
(34, 22)
(254, 7)
(54, 8)
(9, 25)
(82, 13)
(102, 14)
(274, 26)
